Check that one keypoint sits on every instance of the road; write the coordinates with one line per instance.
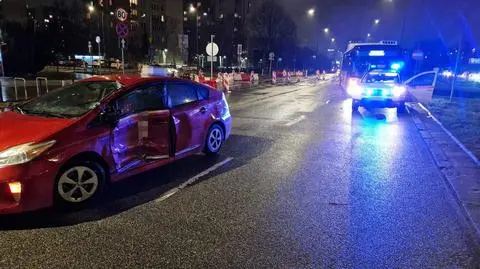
(302, 183)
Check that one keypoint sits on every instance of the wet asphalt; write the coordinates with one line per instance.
(301, 183)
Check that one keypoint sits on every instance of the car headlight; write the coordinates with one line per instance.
(398, 90)
(23, 153)
(354, 89)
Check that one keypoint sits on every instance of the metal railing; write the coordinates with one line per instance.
(38, 81)
(24, 87)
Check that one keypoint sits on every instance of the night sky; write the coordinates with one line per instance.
(353, 19)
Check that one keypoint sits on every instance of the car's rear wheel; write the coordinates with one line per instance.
(79, 183)
(215, 140)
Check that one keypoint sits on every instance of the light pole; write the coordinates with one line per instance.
(91, 10)
(194, 10)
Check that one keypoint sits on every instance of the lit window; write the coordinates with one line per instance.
(162, 18)
(133, 2)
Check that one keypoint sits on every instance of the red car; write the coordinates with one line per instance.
(63, 147)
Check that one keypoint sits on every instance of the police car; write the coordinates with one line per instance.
(380, 88)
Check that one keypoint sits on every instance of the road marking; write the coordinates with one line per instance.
(193, 180)
(468, 152)
(295, 121)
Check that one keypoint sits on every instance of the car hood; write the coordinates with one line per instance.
(17, 129)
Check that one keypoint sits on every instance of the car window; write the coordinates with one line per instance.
(203, 93)
(143, 99)
(181, 94)
(72, 100)
(424, 80)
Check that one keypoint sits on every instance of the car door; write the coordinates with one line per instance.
(142, 133)
(155, 133)
(421, 86)
(125, 141)
(188, 116)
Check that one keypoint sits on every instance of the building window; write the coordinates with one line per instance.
(133, 2)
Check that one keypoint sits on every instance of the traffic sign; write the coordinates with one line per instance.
(122, 30)
(122, 14)
(212, 49)
(418, 55)
(271, 56)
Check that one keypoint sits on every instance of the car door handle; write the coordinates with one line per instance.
(203, 110)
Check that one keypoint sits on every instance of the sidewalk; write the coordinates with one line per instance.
(461, 172)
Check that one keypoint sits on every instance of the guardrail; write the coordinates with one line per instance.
(24, 87)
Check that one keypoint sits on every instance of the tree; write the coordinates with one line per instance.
(271, 29)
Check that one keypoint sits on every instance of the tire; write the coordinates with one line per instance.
(79, 183)
(214, 140)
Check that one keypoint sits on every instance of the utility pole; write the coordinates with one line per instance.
(457, 62)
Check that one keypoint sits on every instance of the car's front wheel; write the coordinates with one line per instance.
(215, 140)
(79, 183)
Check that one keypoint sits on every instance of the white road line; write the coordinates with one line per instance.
(295, 121)
(193, 179)
(468, 152)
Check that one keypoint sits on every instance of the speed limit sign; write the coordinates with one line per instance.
(122, 14)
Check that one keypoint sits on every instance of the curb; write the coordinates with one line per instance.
(458, 174)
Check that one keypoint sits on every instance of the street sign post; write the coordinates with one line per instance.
(97, 40)
(122, 14)
(123, 56)
(212, 50)
(271, 58)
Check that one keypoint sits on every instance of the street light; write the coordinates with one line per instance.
(311, 12)
(192, 9)
(377, 21)
(326, 30)
(91, 8)
(333, 39)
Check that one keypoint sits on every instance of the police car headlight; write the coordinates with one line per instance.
(398, 90)
(354, 89)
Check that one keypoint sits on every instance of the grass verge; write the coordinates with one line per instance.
(462, 118)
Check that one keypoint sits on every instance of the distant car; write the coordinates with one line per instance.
(102, 130)
(377, 88)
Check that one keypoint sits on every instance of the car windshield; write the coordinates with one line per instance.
(72, 100)
(386, 78)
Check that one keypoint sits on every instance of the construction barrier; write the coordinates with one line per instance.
(274, 77)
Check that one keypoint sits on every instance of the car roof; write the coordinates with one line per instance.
(130, 80)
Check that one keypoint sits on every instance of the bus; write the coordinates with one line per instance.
(361, 57)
